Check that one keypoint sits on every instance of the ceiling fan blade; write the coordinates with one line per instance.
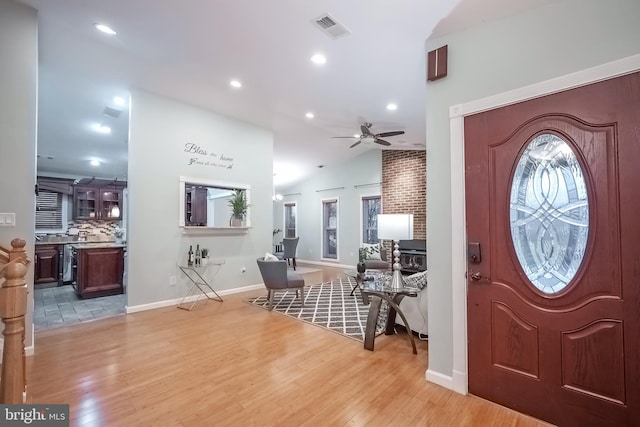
(345, 137)
(392, 133)
(365, 129)
(381, 142)
(358, 142)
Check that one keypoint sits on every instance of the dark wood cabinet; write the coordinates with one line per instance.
(97, 203)
(48, 264)
(195, 205)
(98, 271)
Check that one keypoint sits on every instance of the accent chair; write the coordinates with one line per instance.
(277, 277)
(290, 245)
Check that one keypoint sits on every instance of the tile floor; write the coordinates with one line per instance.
(58, 306)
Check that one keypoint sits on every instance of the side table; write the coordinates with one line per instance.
(199, 283)
(376, 290)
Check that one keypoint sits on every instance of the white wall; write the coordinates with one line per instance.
(364, 169)
(160, 128)
(489, 59)
(18, 112)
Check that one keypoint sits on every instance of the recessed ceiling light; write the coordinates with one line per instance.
(94, 163)
(392, 107)
(100, 128)
(105, 29)
(118, 100)
(309, 115)
(235, 83)
(355, 135)
(319, 59)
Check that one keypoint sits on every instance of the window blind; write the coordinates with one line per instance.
(48, 209)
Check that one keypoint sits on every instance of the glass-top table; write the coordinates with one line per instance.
(375, 288)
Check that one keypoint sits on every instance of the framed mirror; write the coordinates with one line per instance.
(214, 204)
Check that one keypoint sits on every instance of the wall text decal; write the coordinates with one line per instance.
(199, 156)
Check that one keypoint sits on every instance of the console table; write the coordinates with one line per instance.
(373, 292)
(199, 283)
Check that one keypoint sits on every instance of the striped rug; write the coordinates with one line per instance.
(327, 305)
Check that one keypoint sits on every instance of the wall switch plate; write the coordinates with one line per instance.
(172, 280)
(7, 219)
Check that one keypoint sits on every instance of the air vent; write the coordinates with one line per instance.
(114, 113)
(330, 26)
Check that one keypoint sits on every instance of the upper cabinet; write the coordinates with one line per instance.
(100, 201)
(195, 205)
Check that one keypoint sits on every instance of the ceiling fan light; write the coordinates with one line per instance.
(105, 29)
(309, 115)
(319, 59)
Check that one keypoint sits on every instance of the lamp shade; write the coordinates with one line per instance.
(395, 226)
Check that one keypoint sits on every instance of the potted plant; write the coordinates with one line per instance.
(205, 256)
(238, 204)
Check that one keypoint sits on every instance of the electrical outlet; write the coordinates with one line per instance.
(172, 280)
(243, 270)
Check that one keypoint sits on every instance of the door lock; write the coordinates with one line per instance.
(476, 277)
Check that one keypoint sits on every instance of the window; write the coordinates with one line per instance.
(48, 210)
(330, 229)
(370, 211)
(290, 220)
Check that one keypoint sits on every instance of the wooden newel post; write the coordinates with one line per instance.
(13, 307)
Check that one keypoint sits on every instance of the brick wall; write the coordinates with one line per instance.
(404, 186)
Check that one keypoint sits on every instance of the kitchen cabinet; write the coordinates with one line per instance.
(48, 264)
(98, 271)
(97, 202)
(195, 205)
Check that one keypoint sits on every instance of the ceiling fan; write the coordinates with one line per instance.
(369, 136)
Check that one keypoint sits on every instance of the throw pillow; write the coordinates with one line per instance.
(372, 251)
(270, 257)
(416, 280)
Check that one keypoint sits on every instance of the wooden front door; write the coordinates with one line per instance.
(553, 203)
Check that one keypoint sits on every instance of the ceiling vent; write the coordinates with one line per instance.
(330, 26)
(114, 113)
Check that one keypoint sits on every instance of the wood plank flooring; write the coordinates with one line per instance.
(231, 363)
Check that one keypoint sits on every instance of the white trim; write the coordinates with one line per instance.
(322, 202)
(335, 264)
(440, 379)
(176, 301)
(284, 217)
(458, 225)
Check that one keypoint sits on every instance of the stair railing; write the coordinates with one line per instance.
(13, 307)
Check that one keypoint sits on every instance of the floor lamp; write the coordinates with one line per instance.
(395, 227)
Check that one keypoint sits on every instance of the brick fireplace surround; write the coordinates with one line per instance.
(404, 181)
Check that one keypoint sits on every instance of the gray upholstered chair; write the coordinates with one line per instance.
(290, 245)
(378, 264)
(277, 277)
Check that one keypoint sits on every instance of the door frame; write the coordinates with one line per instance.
(459, 381)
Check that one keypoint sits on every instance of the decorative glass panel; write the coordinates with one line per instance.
(549, 213)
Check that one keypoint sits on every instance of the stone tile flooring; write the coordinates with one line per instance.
(60, 306)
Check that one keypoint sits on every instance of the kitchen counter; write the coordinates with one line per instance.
(95, 245)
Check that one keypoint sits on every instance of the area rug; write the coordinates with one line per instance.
(327, 305)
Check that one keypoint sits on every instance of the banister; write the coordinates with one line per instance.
(13, 308)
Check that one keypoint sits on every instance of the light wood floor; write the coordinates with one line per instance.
(234, 364)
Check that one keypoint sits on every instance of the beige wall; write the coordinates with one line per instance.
(18, 110)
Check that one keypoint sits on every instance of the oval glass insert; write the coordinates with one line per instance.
(549, 213)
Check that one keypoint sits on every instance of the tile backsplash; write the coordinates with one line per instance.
(101, 228)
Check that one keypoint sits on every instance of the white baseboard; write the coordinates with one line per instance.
(440, 379)
(176, 301)
(326, 264)
(457, 383)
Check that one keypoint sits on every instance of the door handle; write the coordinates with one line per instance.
(478, 277)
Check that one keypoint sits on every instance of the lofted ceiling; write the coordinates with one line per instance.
(189, 50)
